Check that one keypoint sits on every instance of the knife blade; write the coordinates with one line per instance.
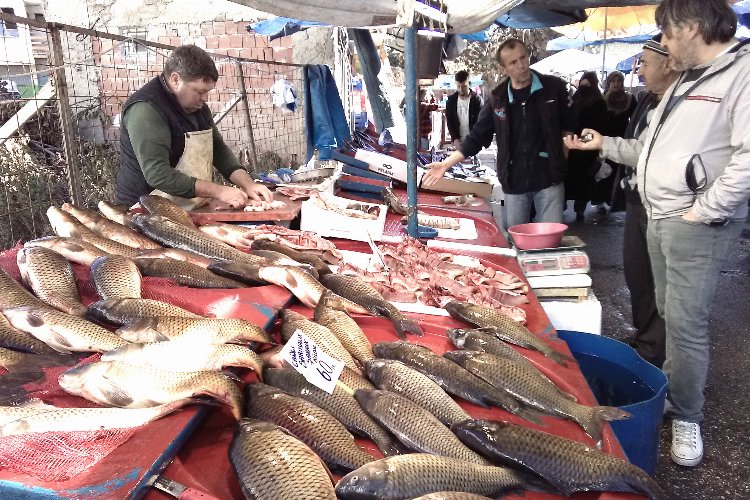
(179, 491)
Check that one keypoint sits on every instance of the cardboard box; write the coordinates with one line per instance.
(479, 188)
(333, 224)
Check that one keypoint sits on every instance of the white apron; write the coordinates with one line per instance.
(197, 161)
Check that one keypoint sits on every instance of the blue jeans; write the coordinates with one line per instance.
(548, 203)
(686, 259)
(325, 122)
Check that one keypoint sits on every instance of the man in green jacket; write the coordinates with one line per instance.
(169, 143)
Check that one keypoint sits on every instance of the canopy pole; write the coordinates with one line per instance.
(410, 67)
(604, 45)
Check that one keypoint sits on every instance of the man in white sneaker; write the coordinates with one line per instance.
(694, 177)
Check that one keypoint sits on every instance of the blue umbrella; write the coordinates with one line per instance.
(626, 65)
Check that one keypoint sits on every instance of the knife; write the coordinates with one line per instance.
(177, 490)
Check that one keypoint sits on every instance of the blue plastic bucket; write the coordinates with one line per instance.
(618, 376)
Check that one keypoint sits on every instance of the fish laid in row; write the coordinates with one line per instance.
(116, 277)
(74, 250)
(66, 225)
(51, 278)
(343, 327)
(126, 311)
(184, 273)
(109, 229)
(206, 330)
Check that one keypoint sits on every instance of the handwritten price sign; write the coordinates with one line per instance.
(317, 366)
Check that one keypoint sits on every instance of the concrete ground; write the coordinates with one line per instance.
(725, 469)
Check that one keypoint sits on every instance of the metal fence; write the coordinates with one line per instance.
(66, 147)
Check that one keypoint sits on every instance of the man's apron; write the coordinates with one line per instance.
(196, 161)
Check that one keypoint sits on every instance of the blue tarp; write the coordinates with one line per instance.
(563, 42)
(281, 26)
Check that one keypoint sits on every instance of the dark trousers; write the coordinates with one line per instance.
(650, 334)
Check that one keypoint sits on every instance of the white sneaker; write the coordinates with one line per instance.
(687, 444)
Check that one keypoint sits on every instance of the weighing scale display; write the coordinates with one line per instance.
(551, 263)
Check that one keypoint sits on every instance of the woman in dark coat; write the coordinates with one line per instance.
(591, 109)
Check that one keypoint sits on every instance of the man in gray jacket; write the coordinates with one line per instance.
(694, 178)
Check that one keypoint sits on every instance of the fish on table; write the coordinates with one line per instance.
(407, 476)
(341, 405)
(177, 254)
(112, 383)
(310, 424)
(504, 328)
(184, 273)
(414, 426)
(51, 278)
(126, 311)
(116, 277)
(64, 224)
(531, 388)
(271, 464)
(313, 260)
(359, 292)
(159, 205)
(75, 250)
(207, 330)
(115, 213)
(343, 327)
(15, 295)
(451, 495)
(568, 465)
(109, 229)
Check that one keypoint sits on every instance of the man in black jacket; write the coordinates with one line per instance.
(462, 109)
(529, 113)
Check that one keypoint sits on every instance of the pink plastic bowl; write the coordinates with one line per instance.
(537, 235)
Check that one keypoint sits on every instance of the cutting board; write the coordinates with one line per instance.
(205, 215)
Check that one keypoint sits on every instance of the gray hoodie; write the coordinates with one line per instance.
(710, 127)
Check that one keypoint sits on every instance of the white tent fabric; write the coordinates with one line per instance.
(464, 16)
(570, 61)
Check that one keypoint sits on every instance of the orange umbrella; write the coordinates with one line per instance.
(605, 23)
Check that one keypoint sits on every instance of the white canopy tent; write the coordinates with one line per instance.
(570, 61)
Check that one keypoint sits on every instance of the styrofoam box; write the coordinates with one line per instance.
(387, 165)
(332, 224)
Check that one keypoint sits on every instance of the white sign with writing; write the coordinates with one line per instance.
(317, 366)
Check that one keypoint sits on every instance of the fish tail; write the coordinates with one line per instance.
(594, 418)
(641, 482)
(560, 358)
(529, 414)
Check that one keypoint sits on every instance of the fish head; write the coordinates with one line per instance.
(459, 357)
(289, 316)
(90, 381)
(458, 336)
(251, 425)
(375, 368)
(458, 310)
(365, 483)
(272, 358)
(367, 397)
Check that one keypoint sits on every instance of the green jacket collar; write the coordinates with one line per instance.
(536, 84)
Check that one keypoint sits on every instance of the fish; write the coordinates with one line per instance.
(65, 224)
(568, 465)
(177, 254)
(279, 259)
(124, 311)
(393, 202)
(11, 413)
(51, 278)
(207, 330)
(271, 464)
(184, 273)
(478, 340)
(229, 234)
(186, 356)
(452, 495)
(88, 419)
(310, 424)
(15, 295)
(359, 292)
(13, 338)
(344, 328)
(408, 476)
(527, 385)
(22, 362)
(172, 234)
(351, 380)
(414, 426)
(341, 404)
(504, 328)
(396, 377)
(78, 251)
(315, 261)
(159, 205)
(61, 331)
(451, 377)
(238, 271)
(116, 277)
(115, 213)
(322, 336)
(113, 383)
(109, 229)
(304, 286)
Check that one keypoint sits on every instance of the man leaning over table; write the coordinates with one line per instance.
(169, 143)
(529, 113)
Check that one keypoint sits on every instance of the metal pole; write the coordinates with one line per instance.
(604, 45)
(66, 118)
(410, 67)
(247, 116)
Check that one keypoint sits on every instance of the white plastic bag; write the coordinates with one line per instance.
(605, 170)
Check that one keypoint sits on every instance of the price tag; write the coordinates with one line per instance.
(317, 366)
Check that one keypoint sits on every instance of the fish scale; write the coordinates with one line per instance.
(309, 423)
(396, 377)
(344, 328)
(209, 330)
(113, 383)
(125, 311)
(61, 331)
(184, 273)
(273, 465)
(116, 277)
(340, 404)
(451, 495)
(13, 338)
(51, 278)
(15, 295)
(159, 205)
(321, 335)
(109, 229)
(78, 251)
(414, 426)
(65, 224)
(568, 465)
(415, 474)
(115, 213)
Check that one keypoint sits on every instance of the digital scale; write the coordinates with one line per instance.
(554, 262)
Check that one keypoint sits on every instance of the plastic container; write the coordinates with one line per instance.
(536, 235)
(619, 377)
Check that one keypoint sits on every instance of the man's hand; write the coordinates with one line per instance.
(575, 142)
(258, 192)
(688, 216)
(435, 172)
(235, 198)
